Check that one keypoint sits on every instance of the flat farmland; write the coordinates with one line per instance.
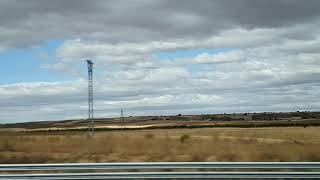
(199, 144)
(241, 120)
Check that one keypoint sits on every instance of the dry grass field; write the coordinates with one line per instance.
(205, 144)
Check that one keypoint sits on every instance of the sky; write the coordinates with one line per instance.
(159, 57)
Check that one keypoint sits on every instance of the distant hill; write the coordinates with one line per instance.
(141, 122)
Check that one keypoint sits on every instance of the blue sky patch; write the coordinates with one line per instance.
(24, 65)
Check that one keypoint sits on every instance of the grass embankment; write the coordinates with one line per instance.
(206, 144)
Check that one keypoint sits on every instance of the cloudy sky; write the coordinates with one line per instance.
(157, 57)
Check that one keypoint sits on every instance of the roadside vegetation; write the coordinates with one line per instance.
(205, 144)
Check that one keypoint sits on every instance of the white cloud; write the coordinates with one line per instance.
(43, 56)
(219, 57)
(262, 78)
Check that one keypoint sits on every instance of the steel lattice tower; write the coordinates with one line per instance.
(90, 96)
(122, 114)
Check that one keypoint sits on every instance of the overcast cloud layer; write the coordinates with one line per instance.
(269, 58)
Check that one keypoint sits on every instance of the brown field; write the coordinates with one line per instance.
(204, 144)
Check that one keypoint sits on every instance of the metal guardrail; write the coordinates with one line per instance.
(168, 175)
(9, 168)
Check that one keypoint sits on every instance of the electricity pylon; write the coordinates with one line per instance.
(90, 96)
(121, 115)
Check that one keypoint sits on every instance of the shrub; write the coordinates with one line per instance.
(149, 136)
(184, 138)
